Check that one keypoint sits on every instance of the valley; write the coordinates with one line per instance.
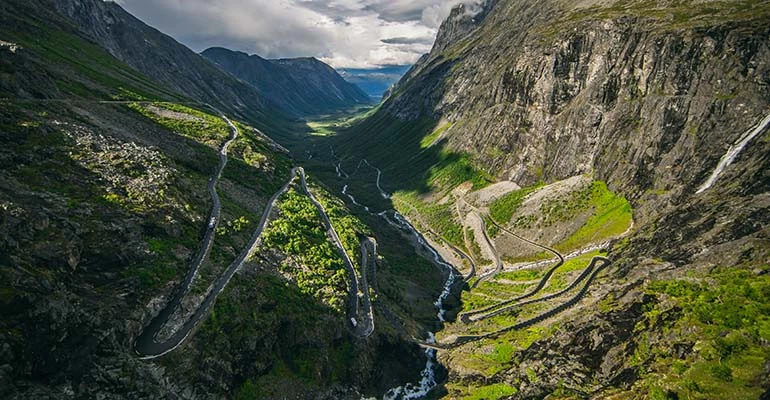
(561, 200)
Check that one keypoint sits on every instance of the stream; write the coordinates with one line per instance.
(428, 375)
(427, 380)
(733, 152)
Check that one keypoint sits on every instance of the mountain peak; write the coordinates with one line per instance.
(304, 86)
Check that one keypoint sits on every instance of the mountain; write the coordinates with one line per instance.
(302, 86)
(564, 199)
(636, 131)
(128, 204)
(375, 81)
(163, 59)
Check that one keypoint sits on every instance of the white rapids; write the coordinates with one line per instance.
(427, 379)
(733, 152)
(428, 374)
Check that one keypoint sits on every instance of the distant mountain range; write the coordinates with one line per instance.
(270, 91)
(301, 86)
(374, 81)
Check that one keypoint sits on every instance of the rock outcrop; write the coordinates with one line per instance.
(646, 96)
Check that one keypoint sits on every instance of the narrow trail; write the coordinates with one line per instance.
(733, 152)
(147, 345)
(457, 341)
(365, 327)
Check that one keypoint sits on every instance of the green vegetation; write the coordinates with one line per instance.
(438, 217)
(385, 140)
(266, 304)
(492, 356)
(428, 140)
(724, 318)
(197, 125)
(502, 209)
(315, 263)
(251, 162)
(559, 279)
(521, 275)
(606, 214)
(491, 392)
(452, 169)
(612, 215)
(347, 226)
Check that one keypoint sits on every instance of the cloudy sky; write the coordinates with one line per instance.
(343, 33)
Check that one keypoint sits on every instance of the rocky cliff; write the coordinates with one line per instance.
(302, 86)
(552, 89)
(646, 96)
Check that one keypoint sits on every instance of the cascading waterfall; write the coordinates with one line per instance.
(427, 379)
(733, 152)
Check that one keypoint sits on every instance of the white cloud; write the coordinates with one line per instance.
(343, 33)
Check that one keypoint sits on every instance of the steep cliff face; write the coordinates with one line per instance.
(302, 86)
(554, 89)
(646, 96)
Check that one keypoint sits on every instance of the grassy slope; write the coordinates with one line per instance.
(722, 316)
(78, 69)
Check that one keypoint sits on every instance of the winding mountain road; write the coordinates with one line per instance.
(363, 326)
(495, 253)
(147, 345)
(461, 340)
(467, 317)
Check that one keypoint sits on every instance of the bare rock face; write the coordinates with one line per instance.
(647, 96)
(560, 90)
(463, 20)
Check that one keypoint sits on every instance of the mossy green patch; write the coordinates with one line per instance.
(300, 233)
(490, 392)
(429, 139)
(723, 318)
(437, 217)
(197, 125)
(503, 208)
(612, 215)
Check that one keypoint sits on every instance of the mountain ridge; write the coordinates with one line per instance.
(645, 97)
(303, 86)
